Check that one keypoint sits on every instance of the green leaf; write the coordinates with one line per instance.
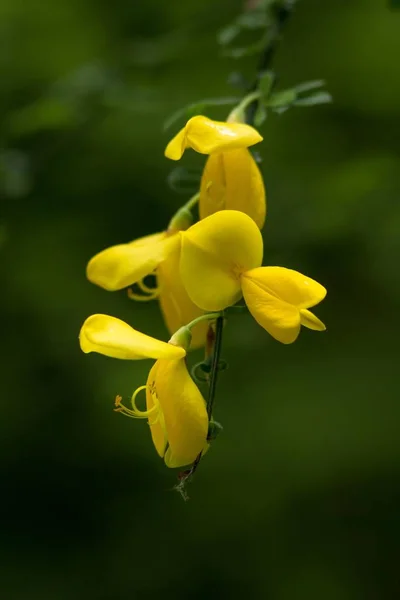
(226, 35)
(265, 83)
(314, 99)
(184, 181)
(15, 173)
(260, 114)
(284, 98)
(309, 85)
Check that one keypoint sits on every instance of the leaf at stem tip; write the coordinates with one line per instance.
(314, 99)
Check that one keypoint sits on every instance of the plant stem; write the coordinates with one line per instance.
(219, 325)
(187, 475)
(283, 10)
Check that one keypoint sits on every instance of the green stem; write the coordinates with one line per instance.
(187, 475)
(219, 324)
(238, 114)
(206, 317)
(183, 218)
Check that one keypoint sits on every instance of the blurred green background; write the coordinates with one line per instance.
(300, 496)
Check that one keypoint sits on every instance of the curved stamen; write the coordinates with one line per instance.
(147, 289)
(134, 413)
(150, 293)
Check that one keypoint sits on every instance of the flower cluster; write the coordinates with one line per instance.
(200, 270)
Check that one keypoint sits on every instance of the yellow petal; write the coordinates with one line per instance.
(119, 266)
(176, 306)
(275, 295)
(308, 319)
(207, 136)
(289, 285)
(232, 180)
(215, 252)
(113, 337)
(183, 411)
(177, 146)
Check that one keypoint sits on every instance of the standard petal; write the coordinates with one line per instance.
(113, 337)
(176, 306)
(232, 180)
(183, 411)
(119, 266)
(280, 319)
(308, 319)
(207, 136)
(215, 252)
(288, 285)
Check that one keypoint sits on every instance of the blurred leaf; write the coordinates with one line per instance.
(226, 35)
(15, 173)
(260, 114)
(250, 50)
(314, 99)
(46, 113)
(265, 83)
(196, 108)
(282, 99)
(309, 85)
(183, 180)
(254, 19)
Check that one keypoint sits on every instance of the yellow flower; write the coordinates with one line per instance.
(221, 261)
(175, 409)
(207, 136)
(123, 265)
(232, 180)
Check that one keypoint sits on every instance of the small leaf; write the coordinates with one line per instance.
(15, 173)
(260, 115)
(226, 35)
(282, 99)
(309, 85)
(265, 83)
(314, 99)
(184, 181)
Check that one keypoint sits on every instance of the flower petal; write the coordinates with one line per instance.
(280, 319)
(232, 180)
(176, 306)
(207, 136)
(288, 285)
(308, 319)
(215, 252)
(176, 146)
(183, 410)
(119, 266)
(275, 296)
(113, 337)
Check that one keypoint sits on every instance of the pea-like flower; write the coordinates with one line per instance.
(175, 409)
(207, 136)
(221, 261)
(158, 254)
(231, 179)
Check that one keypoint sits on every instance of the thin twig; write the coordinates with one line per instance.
(283, 10)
